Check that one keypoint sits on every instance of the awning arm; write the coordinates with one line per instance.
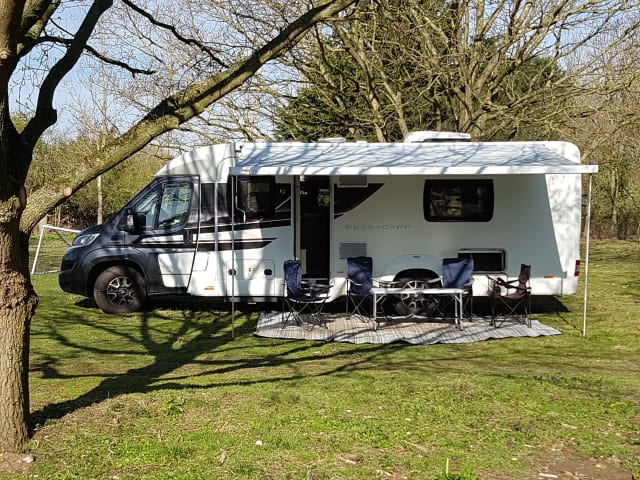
(232, 271)
(586, 260)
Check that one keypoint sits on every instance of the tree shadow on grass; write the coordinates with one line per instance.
(196, 330)
(199, 331)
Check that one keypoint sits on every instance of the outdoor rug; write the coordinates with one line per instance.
(414, 330)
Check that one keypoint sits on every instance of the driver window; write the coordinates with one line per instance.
(165, 208)
(148, 206)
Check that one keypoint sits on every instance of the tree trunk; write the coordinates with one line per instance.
(18, 299)
(18, 302)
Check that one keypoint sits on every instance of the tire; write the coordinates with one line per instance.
(412, 304)
(119, 289)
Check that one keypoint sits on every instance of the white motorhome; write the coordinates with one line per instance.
(220, 221)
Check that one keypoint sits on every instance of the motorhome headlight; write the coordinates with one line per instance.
(83, 240)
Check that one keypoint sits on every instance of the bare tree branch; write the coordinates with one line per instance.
(172, 112)
(95, 53)
(45, 114)
(35, 17)
(175, 33)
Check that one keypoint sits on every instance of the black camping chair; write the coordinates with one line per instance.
(513, 297)
(359, 284)
(301, 299)
(457, 273)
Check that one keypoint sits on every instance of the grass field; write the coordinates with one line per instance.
(169, 394)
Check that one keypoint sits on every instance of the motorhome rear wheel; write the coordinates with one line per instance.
(412, 304)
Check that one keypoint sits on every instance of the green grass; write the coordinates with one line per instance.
(168, 394)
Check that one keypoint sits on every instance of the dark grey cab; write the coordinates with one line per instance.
(117, 264)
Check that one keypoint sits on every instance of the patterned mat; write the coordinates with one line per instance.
(414, 330)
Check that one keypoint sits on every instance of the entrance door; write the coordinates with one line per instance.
(315, 206)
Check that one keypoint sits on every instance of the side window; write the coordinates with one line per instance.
(208, 204)
(283, 200)
(165, 207)
(255, 197)
(174, 205)
(458, 200)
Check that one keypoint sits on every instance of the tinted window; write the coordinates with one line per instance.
(458, 200)
(165, 207)
(283, 200)
(256, 197)
(260, 198)
(174, 205)
(148, 207)
(208, 204)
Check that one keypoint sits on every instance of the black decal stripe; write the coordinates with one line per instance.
(165, 246)
(244, 245)
(264, 224)
(225, 226)
(210, 246)
(348, 198)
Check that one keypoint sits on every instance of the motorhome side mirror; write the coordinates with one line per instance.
(134, 222)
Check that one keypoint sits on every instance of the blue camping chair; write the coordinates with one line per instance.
(302, 299)
(360, 280)
(359, 284)
(457, 273)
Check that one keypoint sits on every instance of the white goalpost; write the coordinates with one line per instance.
(49, 254)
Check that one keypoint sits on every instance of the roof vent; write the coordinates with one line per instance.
(433, 136)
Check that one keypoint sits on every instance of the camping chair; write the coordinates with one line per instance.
(457, 273)
(359, 283)
(301, 298)
(360, 280)
(514, 296)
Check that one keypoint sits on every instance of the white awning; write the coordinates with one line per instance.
(450, 158)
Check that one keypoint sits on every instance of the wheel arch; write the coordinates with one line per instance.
(413, 266)
(416, 273)
(102, 266)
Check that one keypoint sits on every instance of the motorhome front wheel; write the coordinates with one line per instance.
(119, 289)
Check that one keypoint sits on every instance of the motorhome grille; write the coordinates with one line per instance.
(353, 250)
(485, 260)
